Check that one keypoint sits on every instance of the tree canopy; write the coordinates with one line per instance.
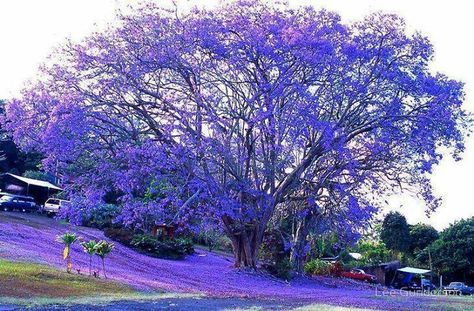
(421, 236)
(395, 232)
(453, 252)
(237, 110)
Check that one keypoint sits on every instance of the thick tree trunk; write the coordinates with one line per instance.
(247, 237)
(245, 244)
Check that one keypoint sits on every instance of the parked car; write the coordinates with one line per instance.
(359, 274)
(459, 287)
(53, 205)
(424, 284)
(17, 202)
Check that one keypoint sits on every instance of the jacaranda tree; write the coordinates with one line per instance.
(239, 109)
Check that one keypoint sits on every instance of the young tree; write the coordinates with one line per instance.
(67, 239)
(90, 248)
(102, 249)
(244, 108)
(395, 232)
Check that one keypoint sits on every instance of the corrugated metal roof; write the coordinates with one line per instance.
(35, 182)
(414, 270)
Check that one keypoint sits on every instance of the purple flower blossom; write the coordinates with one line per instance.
(237, 110)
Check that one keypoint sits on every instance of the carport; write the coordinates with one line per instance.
(404, 276)
(38, 189)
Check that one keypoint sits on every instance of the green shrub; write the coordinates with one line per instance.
(176, 248)
(214, 240)
(101, 216)
(123, 236)
(373, 253)
(317, 267)
(274, 256)
(283, 269)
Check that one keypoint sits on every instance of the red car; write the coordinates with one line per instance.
(359, 274)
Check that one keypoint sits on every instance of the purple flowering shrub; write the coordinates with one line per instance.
(234, 112)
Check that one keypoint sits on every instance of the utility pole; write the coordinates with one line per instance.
(431, 265)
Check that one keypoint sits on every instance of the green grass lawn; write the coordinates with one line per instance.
(34, 284)
(22, 280)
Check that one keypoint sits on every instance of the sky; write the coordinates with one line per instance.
(29, 31)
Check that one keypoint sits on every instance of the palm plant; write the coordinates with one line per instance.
(67, 239)
(102, 249)
(89, 248)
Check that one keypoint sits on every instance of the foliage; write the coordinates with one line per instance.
(101, 216)
(373, 253)
(325, 245)
(14, 161)
(176, 248)
(239, 109)
(317, 267)
(283, 269)
(102, 249)
(90, 248)
(67, 239)
(122, 235)
(275, 255)
(421, 236)
(39, 175)
(214, 239)
(395, 232)
(453, 252)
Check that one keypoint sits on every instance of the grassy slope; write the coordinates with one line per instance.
(33, 284)
(19, 280)
(31, 238)
(22, 280)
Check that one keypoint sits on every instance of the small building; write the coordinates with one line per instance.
(163, 231)
(38, 189)
(384, 272)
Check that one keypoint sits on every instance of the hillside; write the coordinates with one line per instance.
(31, 238)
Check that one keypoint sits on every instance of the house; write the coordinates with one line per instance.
(38, 189)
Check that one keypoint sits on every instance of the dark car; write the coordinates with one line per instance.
(459, 287)
(424, 284)
(359, 274)
(427, 285)
(17, 202)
